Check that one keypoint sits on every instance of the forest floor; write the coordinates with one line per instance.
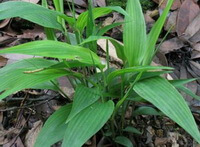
(22, 114)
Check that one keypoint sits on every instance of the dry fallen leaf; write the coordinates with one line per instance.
(32, 134)
(101, 3)
(171, 22)
(3, 61)
(66, 87)
(12, 58)
(4, 23)
(81, 3)
(171, 45)
(187, 12)
(31, 1)
(160, 141)
(195, 38)
(197, 47)
(193, 27)
(14, 143)
(112, 52)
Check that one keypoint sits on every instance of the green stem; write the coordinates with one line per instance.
(120, 102)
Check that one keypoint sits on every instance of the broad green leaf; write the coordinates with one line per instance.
(165, 97)
(123, 141)
(13, 77)
(18, 80)
(55, 49)
(87, 123)
(32, 12)
(118, 46)
(83, 98)
(105, 29)
(46, 85)
(54, 128)
(131, 129)
(134, 35)
(154, 34)
(120, 72)
(146, 111)
(97, 12)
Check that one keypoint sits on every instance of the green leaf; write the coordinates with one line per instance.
(154, 34)
(118, 46)
(165, 97)
(83, 98)
(97, 12)
(120, 72)
(181, 82)
(105, 29)
(189, 92)
(32, 12)
(47, 85)
(87, 123)
(146, 111)
(14, 79)
(54, 128)
(180, 85)
(131, 129)
(134, 35)
(55, 49)
(123, 141)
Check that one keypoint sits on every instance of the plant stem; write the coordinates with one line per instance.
(120, 102)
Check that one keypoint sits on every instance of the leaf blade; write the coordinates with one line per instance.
(165, 97)
(87, 123)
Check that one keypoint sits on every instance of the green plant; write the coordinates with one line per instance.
(102, 96)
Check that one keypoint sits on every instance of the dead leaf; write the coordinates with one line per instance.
(174, 138)
(171, 45)
(12, 58)
(112, 51)
(32, 134)
(193, 27)
(31, 1)
(3, 61)
(66, 87)
(81, 3)
(101, 3)
(195, 54)
(187, 12)
(160, 141)
(4, 23)
(37, 32)
(171, 22)
(107, 21)
(6, 39)
(195, 68)
(197, 47)
(195, 38)
(14, 143)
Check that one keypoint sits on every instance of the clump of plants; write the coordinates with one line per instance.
(102, 93)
